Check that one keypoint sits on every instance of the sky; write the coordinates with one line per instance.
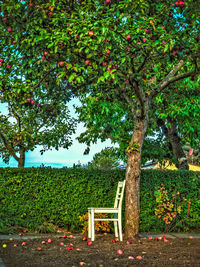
(62, 157)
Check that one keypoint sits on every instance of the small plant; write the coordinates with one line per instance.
(100, 226)
(167, 208)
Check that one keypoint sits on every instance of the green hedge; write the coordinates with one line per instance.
(34, 197)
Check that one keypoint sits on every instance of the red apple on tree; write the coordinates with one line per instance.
(87, 62)
(147, 31)
(128, 37)
(61, 63)
(9, 29)
(90, 33)
(1, 60)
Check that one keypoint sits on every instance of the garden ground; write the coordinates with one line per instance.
(70, 250)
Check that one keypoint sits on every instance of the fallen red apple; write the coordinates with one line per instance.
(128, 242)
(131, 258)
(119, 252)
(114, 241)
(139, 257)
(49, 241)
(84, 238)
(23, 243)
(61, 244)
(11, 239)
(64, 236)
(15, 245)
(150, 237)
(43, 242)
(39, 248)
(20, 234)
(89, 243)
(70, 248)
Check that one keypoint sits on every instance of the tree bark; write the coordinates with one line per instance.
(175, 143)
(21, 161)
(133, 171)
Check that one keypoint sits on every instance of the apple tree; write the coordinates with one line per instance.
(132, 51)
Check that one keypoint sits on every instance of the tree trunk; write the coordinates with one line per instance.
(133, 171)
(21, 160)
(175, 143)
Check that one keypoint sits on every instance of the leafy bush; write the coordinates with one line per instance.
(38, 197)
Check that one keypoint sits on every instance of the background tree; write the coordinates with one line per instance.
(106, 160)
(123, 50)
(31, 122)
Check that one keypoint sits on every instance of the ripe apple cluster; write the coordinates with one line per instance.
(179, 4)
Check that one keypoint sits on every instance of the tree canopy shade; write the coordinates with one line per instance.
(125, 50)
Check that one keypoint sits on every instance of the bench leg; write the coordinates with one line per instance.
(120, 228)
(89, 224)
(116, 229)
(92, 225)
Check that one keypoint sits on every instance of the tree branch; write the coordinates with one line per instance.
(170, 78)
(10, 149)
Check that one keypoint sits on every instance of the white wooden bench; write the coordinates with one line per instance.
(116, 210)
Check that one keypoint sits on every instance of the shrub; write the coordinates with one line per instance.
(37, 198)
(100, 226)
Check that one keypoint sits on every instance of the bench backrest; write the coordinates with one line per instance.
(119, 194)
